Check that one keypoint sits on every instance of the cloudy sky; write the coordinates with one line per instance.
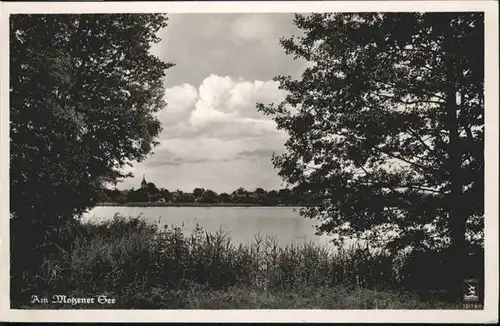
(213, 136)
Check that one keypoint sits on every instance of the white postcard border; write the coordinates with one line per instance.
(490, 312)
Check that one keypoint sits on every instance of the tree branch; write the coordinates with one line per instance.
(424, 189)
(406, 102)
(420, 140)
(421, 167)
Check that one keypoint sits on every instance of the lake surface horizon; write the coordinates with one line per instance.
(242, 224)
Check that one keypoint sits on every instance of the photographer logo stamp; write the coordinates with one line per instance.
(471, 294)
(471, 290)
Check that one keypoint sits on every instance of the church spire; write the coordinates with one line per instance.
(144, 183)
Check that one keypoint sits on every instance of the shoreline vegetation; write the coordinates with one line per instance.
(148, 194)
(161, 204)
(140, 266)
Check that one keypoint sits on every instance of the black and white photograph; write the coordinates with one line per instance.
(167, 158)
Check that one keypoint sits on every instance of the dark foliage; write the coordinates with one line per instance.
(83, 93)
(84, 90)
(387, 127)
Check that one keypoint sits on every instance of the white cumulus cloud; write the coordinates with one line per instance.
(180, 101)
(221, 107)
(213, 125)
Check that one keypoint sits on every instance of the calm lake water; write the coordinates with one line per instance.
(241, 223)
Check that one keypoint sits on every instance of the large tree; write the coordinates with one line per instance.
(387, 125)
(84, 90)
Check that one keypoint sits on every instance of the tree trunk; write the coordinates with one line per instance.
(459, 252)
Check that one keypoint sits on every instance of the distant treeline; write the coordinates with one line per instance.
(149, 193)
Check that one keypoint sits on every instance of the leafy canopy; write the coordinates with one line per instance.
(83, 93)
(375, 122)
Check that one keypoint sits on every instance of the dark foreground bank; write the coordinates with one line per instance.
(127, 263)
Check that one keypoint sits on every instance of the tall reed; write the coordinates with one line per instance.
(132, 258)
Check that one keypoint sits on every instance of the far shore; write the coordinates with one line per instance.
(156, 204)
